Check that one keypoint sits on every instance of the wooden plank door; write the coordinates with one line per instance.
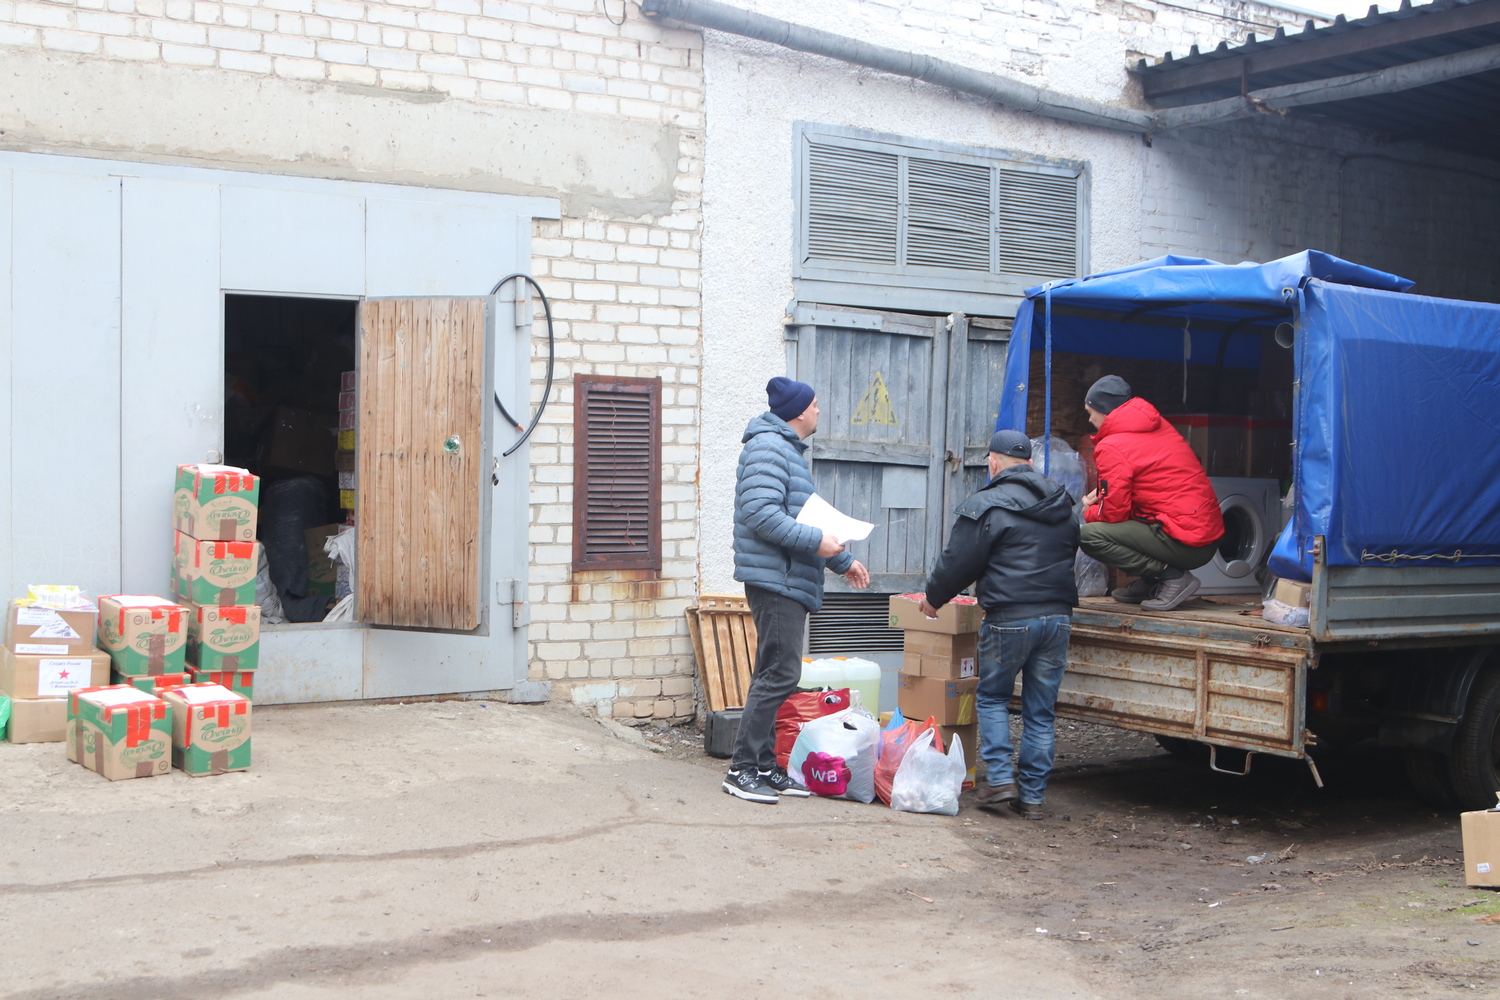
(420, 446)
(976, 374)
(878, 453)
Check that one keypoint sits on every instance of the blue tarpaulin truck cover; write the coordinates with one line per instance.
(1397, 409)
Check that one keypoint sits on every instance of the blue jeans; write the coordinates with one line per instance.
(1037, 649)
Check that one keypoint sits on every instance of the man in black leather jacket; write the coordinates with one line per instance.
(1017, 538)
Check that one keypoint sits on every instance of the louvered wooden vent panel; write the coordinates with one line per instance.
(853, 623)
(852, 205)
(948, 215)
(617, 473)
(1038, 224)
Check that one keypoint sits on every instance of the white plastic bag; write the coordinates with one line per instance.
(834, 756)
(928, 781)
(341, 548)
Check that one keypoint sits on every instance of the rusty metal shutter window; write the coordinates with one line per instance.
(616, 472)
(852, 205)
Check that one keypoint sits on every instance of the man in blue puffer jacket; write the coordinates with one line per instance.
(781, 563)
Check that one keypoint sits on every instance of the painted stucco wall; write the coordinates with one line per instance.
(756, 92)
(1252, 190)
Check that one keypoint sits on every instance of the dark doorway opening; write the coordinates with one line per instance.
(284, 365)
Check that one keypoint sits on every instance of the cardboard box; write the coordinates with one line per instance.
(937, 654)
(1217, 440)
(348, 381)
(37, 720)
(948, 700)
(29, 625)
(962, 614)
(346, 499)
(218, 572)
(346, 440)
(1482, 846)
(321, 575)
(155, 684)
(348, 420)
(969, 737)
(301, 440)
(210, 729)
(1268, 448)
(224, 638)
(120, 732)
(241, 682)
(218, 502)
(346, 400)
(23, 676)
(143, 634)
(343, 461)
(1292, 593)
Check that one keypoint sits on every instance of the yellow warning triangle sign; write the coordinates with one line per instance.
(875, 405)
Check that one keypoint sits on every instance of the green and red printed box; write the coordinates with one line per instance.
(206, 572)
(119, 732)
(216, 503)
(210, 729)
(143, 634)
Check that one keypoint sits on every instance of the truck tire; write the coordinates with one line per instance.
(1427, 772)
(1474, 760)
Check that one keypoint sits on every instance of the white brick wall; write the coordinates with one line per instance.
(1261, 190)
(558, 54)
(626, 302)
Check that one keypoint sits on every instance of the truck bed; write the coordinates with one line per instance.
(1213, 671)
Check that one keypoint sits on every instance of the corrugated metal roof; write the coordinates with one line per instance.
(1462, 113)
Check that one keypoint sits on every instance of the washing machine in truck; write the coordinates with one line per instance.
(1252, 520)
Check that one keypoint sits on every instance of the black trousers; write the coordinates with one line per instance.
(781, 627)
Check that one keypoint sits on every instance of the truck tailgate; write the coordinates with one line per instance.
(1176, 674)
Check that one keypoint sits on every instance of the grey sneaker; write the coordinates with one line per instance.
(782, 782)
(750, 786)
(1136, 591)
(1172, 594)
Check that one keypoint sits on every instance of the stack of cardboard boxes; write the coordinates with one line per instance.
(343, 459)
(940, 676)
(49, 653)
(122, 731)
(215, 516)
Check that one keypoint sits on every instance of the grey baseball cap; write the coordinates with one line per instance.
(1012, 443)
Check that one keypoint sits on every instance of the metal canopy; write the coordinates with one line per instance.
(1461, 114)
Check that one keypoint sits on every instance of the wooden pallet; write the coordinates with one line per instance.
(724, 643)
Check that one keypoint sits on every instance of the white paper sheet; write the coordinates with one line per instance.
(823, 515)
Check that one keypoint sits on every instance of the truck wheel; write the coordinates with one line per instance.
(1179, 747)
(1474, 761)
(1428, 774)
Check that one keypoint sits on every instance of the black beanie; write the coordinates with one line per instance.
(787, 398)
(1108, 393)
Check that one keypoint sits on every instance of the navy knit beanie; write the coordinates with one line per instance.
(788, 398)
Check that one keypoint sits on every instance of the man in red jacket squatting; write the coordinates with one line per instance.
(1154, 514)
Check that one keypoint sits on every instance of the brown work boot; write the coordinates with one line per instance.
(995, 796)
(1027, 810)
(1172, 594)
(1138, 590)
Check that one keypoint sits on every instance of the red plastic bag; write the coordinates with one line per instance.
(804, 706)
(894, 743)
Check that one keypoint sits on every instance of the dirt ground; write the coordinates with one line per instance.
(465, 849)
